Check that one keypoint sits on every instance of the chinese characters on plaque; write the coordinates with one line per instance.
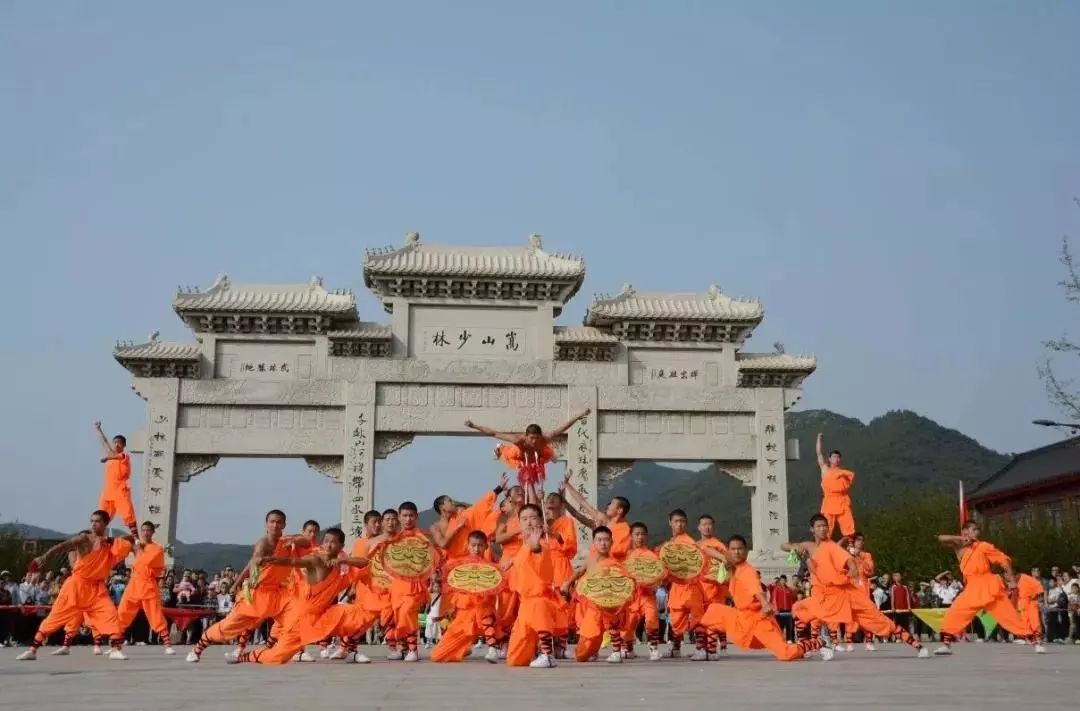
(263, 367)
(672, 374)
(354, 476)
(583, 458)
(153, 487)
(772, 497)
(488, 341)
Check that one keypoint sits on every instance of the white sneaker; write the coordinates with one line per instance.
(654, 655)
(674, 653)
(502, 652)
(304, 657)
(340, 653)
(699, 656)
(229, 658)
(28, 655)
(542, 662)
(1040, 649)
(614, 658)
(870, 647)
(943, 650)
(395, 656)
(1019, 641)
(238, 651)
(169, 651)
(492, 655)
(325, 653)
(117, 655)
(97, 650)
(360, 659)
(412, 656)
(849, 648)
(826, 654)
(714, 657)
(192, 657)
(60, 652)
(924, 653)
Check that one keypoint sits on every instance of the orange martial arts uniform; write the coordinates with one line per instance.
(562, 557)
(685, 605)
(865, 561)
(835, 601)
(116, 491)
(713, 591)
(83, 596)
(474, 616)
(983, 591)
(594, 622)
(1028, 590)
(268, 599)
(457, 546)
(530, 578)
(642, 607)
(316, 618)
(746, 625)
(406, 599)
(507, 604)
(371, 601)
(835, 502)
(142, 592)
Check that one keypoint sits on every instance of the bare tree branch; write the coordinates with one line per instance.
(1063, 393)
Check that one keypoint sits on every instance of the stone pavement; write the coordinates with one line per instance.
(987, 676)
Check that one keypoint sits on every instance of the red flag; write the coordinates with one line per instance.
(963, 507)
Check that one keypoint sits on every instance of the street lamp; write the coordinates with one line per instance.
(1073, 426)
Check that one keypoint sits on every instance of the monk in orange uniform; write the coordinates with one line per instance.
(71, 629)
(318, 617)
(711, 589)
(982, 590)
(508, 536)
(643, 606)
(685, 605)
(473, 616)
(116, 491)
(613, 517)
(371, 597)
(595, 621)
(750, 623)
(528, 452)
(562, 538)
(835, 484)
(531, 572)
(266, 592)
(407, 597)
(1028, 592)
(865, 561)
(142, 591)
(84, 593)
(834, 598)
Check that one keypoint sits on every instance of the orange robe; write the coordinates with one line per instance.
(562, 557)
(457, 546)
(982, 591)
(407, 597)
(508, 599)
(116, 491)
(531, 577)
(1028, 590)
(84, 595)
(474, 616)
(711, 590)
(596, 621)
(835, 502)
(372, 600)
(745, 623)
(865, 561)
(268, 598)
(142, 591)
(685, 604)
(642, 607)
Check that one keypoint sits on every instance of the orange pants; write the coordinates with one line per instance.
(594, 623)
(1029, 612)
(846, 520)
(344, 621)
(685, 617)
(151, 605)
(81, 600)
(276, 604)
(752, 630)
(532, 627)
(507, 607)
(406, 612)
(963, 611)
(642, 607)
(118, 500)
(468, 624)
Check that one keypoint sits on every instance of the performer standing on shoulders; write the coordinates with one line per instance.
(835, 484)
(116, 491)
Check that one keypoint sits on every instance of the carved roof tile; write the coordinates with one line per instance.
(156, 350)
(630, 304)
(775, 362)
(582, 334)
(223, 296)
(362, 331)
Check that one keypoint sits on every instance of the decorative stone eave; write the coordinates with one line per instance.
(511, 275)
(264, 308)
(773, 370)
(584, 343)
(361, 340)
(159, 359)
(713, 317)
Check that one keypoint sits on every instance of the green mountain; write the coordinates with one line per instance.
(893, 456)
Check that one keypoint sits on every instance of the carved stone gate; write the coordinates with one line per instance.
(290, 371)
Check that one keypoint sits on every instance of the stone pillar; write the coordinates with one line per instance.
(358, 475)
(581, 453)
(768, 502)
(160, 486)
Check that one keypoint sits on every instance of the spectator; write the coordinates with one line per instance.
(1057, 609)
(8, 590)
(783, 599)
(224, 599)
(1074, 611)
(116, 588)
(880, 597)
(946, 588)
(185, 589)
(900, 596)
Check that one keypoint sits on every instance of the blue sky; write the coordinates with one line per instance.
(891, 180)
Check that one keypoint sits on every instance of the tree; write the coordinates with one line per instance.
(1063, 392)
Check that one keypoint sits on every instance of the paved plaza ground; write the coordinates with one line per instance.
(986, 676)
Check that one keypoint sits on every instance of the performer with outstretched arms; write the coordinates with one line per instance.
(116, 490)
(835, 484)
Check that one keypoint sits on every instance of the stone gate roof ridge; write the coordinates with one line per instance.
(775, 361)
(713, 305)
(224, 296)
